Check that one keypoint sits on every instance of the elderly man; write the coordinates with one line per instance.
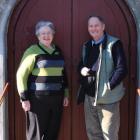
(102, 69)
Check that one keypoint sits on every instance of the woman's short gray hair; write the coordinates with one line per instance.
(41, 24)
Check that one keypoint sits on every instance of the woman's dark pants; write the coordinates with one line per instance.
(44, 118)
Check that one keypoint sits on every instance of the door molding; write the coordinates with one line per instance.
(134, 6)
(5, 12)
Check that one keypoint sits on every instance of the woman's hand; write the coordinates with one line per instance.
(65, 102)
(26, 105)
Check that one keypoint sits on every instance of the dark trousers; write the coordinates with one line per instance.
(44, 118)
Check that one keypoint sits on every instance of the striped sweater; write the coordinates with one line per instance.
(41, 72)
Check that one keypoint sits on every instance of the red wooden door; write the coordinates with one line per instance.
(70, 18)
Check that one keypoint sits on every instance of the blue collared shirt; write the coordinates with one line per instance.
(99, 41)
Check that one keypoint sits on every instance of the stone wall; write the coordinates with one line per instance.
(6, 7)
(2, 74)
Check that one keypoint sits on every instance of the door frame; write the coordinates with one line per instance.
(13, 50)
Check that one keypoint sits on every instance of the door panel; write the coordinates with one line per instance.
(116, 16)
(70, 18)
(23, 35)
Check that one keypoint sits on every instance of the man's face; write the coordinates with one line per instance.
(95, 28)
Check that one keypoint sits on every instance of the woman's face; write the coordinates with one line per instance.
(45, 36)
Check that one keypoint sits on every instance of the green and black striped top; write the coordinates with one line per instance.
(41, 72)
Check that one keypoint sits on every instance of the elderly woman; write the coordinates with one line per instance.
(42, 85)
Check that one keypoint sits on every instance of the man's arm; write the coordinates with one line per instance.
(120, 66)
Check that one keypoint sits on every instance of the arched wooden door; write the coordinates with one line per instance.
(70, 18)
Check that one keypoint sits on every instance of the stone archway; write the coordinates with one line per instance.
(6, 7)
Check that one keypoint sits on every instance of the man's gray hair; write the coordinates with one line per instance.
(41, 24)
(98, 17)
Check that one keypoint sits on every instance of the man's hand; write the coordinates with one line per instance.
(84, 71)
(138, 90)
